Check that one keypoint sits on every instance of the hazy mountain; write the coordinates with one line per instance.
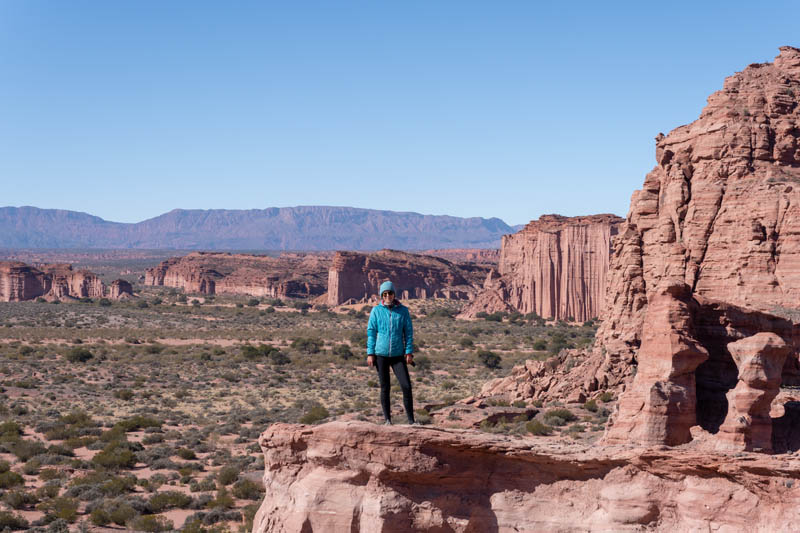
(286, 228)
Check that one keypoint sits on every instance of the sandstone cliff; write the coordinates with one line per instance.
(19, 282)
(720, 213)
(360, 477)
(555, 267)
(355, 276)
(289, 275)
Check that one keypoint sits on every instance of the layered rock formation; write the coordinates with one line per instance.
(720, 213)
(355, 276)
(120, 289)
(288, 275)
(19, 282)
(555, 267)
(482, 256)
(359, 477)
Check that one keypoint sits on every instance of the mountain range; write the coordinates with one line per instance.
(276, 228)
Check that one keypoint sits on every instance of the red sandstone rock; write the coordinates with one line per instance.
(356, 476)
(660, 406)
(760, 360)
(120, 289)
(555, 267)
(357, 276)
(482, 256)
(289, 275)
(19, 282)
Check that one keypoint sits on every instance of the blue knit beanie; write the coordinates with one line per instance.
(386, 286)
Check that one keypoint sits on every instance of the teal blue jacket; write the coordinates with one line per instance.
(389, 331)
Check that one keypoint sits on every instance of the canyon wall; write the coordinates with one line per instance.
(555, 267)
(20, 282)
(355, 276)
(288, 275)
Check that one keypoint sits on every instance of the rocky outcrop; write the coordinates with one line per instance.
(19, 282)
(555, 267)
(359, 477)
(482, 256)
(288, 275)
(720, 213)
(120, 289)
(355, 276)
(760, 360)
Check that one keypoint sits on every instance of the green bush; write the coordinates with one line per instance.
(359, 339)
(61, 507)
(245, 489)
(10, 479)
(19, 499)
(125, 395)
(25, 449)
(12, 521)
(343, 351)
(152, 523)
(489, 359)
(253, 302)
(78, 355)
(186, 453)
(162, 501)
(115, 455)
(121, 513)
(535, 427)
(104, 302)
(227, 475)
(606, 397)
(540, 345)
(10, 429)
(100, 517)
(591, 405)
(316, 414)
(559, 416)
(466, 342)
(307, 345)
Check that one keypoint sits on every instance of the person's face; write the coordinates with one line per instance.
(388, 297)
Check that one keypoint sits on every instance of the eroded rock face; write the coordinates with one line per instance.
(360, 477)
(760, 360)
(355, 276)
(120, 289)
(720, 212)
(20, 282)
(661, 404)
(555, 267)
(289, 275)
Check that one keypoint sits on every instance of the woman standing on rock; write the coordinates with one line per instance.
(390, 341)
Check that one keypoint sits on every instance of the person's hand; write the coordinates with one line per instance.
(370, 360)
(409, 358)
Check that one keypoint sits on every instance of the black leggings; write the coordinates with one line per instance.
(398, 364)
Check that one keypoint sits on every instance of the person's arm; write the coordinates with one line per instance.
(372, 336)
(408, 333)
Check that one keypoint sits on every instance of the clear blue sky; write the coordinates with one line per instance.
(126, 110)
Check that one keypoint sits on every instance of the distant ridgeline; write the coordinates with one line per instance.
(287, 228)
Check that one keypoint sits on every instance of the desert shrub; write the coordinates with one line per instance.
(277, 357)
(142, 304)
(12, 521)
(591, 405)
(423, 363)
(121, 512)
(307, 345)
(61, 507)
(535, 427)
(489, 359)
(540, 345)
(359, 339)
(223, 499)
(466, 342)
(19, 499)
(10, 429)
(441, 313)
(78, 355)
(135, 423)
(162, 501)
(10, 479)
(559, 416)
(227, 475)
(495, 317)
(423, 417)
(253, 302)
(26, 449)
(48, 474)
(245, 489)
(154, 348)
(152, 523)
(576, 428)
(115, 455)
(125, 395)
(100, 517)
(606, 397)
(315, 414)
(186, 453)
(343, 351)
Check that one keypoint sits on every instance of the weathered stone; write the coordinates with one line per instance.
(355, 276)
(760, 360)
(289, 275)
(120, 290)
(555, 267)
(19, 282)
